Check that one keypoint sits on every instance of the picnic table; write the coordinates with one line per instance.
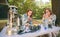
(32, 34)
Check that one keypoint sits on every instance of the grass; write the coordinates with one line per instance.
(58, 35)
(2, 24)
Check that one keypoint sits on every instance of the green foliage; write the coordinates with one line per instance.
(23, 5)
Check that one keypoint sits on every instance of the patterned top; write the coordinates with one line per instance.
(25, 20)
(51, 20)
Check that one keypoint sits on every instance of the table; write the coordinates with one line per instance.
(33, 34)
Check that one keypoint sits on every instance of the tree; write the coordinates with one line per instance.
(23, 5)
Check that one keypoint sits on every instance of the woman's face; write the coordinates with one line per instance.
(29, 13)
(47, 12)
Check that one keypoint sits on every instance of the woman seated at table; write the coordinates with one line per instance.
(48, 17)
(27, 20)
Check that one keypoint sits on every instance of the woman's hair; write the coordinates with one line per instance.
(28, 11)
(48, 10)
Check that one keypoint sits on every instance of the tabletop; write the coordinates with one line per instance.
(32, 34)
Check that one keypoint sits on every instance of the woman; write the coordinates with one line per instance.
(49, 17)
(27, 20)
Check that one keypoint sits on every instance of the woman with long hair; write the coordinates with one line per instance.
(49, 17)
(27, 20)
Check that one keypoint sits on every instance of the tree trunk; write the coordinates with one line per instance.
(56, 9)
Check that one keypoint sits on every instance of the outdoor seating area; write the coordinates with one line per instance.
(29, 18)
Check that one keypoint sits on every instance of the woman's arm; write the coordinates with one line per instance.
(53, 18)
(24, 20)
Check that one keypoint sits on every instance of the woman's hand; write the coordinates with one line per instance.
(45, 16)
(29, 18)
